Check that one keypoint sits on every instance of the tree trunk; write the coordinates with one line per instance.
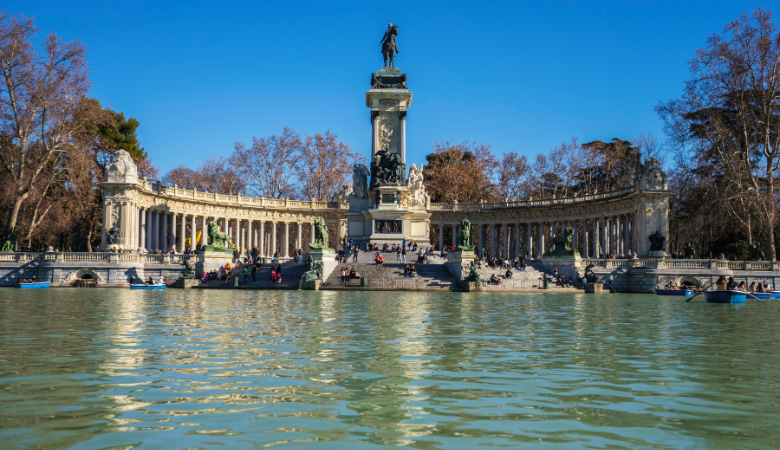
(14, 217)
(89, 241)
(749, 231)
(770, 199)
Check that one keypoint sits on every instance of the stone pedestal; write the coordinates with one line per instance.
(594, 288)
(459, 263)
(210, 260)
(326, 257)
(182, 283)
(311, 285)
(566, 265)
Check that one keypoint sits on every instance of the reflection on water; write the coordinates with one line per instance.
(111, 368)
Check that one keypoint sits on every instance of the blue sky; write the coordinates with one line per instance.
(521, 76)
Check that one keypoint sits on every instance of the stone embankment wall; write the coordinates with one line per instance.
(107, 269)
(644, 275)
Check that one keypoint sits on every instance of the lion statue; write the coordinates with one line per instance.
(590, 277)
(562, 244)
(320, 234)
(463, 239)
(219, 240)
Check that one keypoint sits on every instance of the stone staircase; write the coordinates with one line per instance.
(291, 277)
(429, 277)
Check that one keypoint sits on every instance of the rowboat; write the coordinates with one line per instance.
(724, 296)
(33, 285)
(775, 294)
(147, 286)
(763, 295)
(685, 292)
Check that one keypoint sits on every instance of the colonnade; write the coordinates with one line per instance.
(593, 237)
(162, 230)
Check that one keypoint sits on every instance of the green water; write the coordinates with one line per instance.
(120, 369)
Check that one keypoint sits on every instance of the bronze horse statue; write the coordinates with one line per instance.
(389, 47)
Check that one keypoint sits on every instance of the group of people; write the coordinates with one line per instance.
(347, 274)
(150, 281)
(722, 284)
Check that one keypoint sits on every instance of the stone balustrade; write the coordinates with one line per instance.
(96, 257)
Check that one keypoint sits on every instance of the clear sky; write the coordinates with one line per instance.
(200, 76)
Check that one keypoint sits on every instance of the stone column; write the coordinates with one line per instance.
(481, 240)
(506, 240)
(164, 232)
(261, 240)
(553, 230)
(529, 243)
(441, 237)
(454, 235)
(585, 253)
(251, 238)
(518, 249)
(596, 238)
(374, 133)
(311, 233)
(106, 226)
(274, 245)
(605, 237)
(402, 136)
(174, 235)
(540, 251)
(237, 234)
(142, 244)
(298, 235)
(154, 232)
(286, 240)
(574, 242)
(619, 229)
(627, 234)
(613, 244)
(183, 233)
(204, 233)
(148, 230)
(493, 246)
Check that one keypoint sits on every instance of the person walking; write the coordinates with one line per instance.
(398, 254)
(246, 274)
(355, 252)
(403, 254)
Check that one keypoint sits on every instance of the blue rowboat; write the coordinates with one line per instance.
(685, 292)
(36, 285)
(724, 296)
(775, 294)
(763, 295)
(147, 286)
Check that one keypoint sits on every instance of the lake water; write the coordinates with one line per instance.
(121, 369)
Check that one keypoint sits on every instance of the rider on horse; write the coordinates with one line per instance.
(389, 47)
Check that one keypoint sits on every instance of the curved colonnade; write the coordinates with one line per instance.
(152, 216)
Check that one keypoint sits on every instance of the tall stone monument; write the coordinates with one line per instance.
(393, 207)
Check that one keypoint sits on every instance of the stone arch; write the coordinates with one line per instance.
(689, 280)
(83, 274)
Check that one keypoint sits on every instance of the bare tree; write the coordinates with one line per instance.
(325, 166)
(39, 105)
(513, 176)
(269, 164)
(729, 112)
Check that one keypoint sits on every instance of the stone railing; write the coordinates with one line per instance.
(689, 264)
(158, 188)
(97, 257)
(563, 201)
